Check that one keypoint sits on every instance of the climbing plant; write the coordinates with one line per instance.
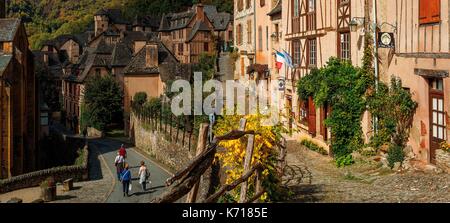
(343, 87)
(394, 124)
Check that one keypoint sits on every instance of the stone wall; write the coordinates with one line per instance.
(33, 179)
(443, 160)
(158, 145)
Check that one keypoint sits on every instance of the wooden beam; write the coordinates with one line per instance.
(228, 187)
(247, 165)
(201, 147)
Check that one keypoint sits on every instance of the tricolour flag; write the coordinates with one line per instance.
(280, 60)
(288, 59)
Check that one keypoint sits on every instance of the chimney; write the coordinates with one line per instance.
(2, 9)
(199, 12)
(138, 45)
(151, 55)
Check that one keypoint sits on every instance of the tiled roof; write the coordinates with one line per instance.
(121, 55)
(115, 15)
(4, 61)
(276, 10)
(221, 20)
(176, 21)
(198, 26)
(8, 29)
(137, 64)
(147, 21)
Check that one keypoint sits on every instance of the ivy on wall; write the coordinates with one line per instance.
(350, 91)
(341, 86)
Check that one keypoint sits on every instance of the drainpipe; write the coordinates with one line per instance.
(375, 45)
(254, 29)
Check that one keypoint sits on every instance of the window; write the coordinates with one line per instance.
(242, 67)
(249, 31)
(344, 46)
(230, 35)
(206, 47)
(97, 71)
(262, 3)
(267, 37)
(248, 4)
(429, 11)
(260, 39)
(296, 49)
(277, 30)
(312, 51)
(437, 84)
(180, 48)
(240, 5)
(296, 11)
(303, 105)
(311, 5)
(239, 33)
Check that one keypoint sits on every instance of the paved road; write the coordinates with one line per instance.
(108, 148)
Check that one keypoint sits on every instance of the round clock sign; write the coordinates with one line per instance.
(386, 40)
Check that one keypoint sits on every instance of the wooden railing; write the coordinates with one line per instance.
(186, 181)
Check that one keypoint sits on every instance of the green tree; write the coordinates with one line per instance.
(103, 101)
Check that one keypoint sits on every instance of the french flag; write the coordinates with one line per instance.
(280, 60)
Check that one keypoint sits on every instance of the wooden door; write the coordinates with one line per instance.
(311, 117)
(438, 132)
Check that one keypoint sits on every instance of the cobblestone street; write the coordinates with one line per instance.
(317, 179)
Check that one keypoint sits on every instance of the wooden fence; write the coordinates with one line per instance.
(176, 129)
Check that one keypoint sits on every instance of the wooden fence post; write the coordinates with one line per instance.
(201, 146)
(247, 166)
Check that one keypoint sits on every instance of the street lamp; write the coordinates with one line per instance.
(355, 22)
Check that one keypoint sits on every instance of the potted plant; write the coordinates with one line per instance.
(48, 189)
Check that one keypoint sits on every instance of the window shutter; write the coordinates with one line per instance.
(429, 11)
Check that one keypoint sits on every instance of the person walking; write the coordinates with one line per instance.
(119, 163)
(126, 180)
(123, 151)
(143, 175)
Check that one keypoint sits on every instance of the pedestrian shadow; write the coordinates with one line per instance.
(149, 191)
(157, 187)
(95, 172)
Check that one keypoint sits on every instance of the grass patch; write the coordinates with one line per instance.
(314, 147)
(80, 158)
(116, 133)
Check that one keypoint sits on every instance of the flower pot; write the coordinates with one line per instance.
(48, 193)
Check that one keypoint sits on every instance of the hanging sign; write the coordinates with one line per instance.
(386, 40)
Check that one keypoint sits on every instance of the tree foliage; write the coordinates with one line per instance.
(47, 19)
(103, 101)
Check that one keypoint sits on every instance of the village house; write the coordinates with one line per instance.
(318, 30)
(19, 126)
(421, 58)
(144, 73)
(198, 30)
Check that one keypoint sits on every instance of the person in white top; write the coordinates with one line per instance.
(143, 175)
(119, 163)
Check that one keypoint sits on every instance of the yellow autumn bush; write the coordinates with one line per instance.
(233, 155)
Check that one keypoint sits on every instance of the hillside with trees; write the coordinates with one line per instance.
(46, 19)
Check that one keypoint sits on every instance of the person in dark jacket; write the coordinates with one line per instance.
(126, 180)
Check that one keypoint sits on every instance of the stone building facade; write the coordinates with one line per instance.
(19, 124)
